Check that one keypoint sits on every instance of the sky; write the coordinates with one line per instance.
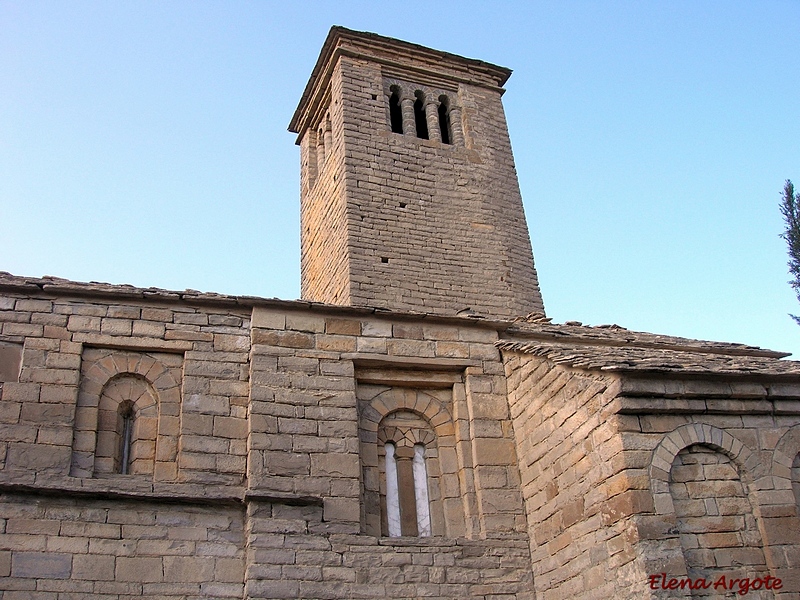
(146, 143)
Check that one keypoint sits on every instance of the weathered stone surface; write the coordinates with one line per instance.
(184, 445)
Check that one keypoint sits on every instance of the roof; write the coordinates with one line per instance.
(58, 287)
(603, 347)
(614, 348)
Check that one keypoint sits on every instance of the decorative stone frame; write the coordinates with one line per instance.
(786, 452)
(687, 435)
(438, 438)
(148, 381)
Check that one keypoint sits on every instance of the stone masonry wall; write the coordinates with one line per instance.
(84, 548)
(576, 482)
(304, 442)
(430, 217)
(641, 476)
(247, 461)
(324, 257)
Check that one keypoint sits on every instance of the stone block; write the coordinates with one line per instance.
(139, 569)
(335, 465)
(268, 318)
(185, 569)
(41, 565)
(342, 326)
(93, 567)
(381, 329)
(37, 457)
(342, 509)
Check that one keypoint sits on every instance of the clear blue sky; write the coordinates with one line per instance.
(146, 143)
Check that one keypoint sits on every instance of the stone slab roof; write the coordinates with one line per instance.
(57, 286)
(614, 348)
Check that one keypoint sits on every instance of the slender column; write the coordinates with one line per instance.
(432, 118)
(409, 124)
(421, 492)
(405, 484)
(328, 137)
(392, 494)
(455, 126)
(320, 151)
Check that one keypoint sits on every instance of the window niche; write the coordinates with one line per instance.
(406, 445)
(410, 484)
(444, 119)
(126, 427)
(127, 415)
(420, 121)
(395, 112)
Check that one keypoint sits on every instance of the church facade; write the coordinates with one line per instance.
(414, 427)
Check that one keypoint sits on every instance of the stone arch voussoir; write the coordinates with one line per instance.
(687, 435)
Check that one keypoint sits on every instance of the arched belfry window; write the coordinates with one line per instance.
(444, 119)
(419, 115)
(395, 111)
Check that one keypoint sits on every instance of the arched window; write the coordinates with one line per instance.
(125, 428)
(408, 510)
(444, 119)
(127, 423)
(422, 503)
(419, 116)
(395, 112)
(405, 497)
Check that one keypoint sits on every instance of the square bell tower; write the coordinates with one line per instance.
(409, 194)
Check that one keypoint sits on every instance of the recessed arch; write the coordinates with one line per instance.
(686, 435)
(418, 426)
(147, 383)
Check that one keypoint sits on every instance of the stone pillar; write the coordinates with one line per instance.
(308, 159)
(409, 123)
(455, 126)
(432, 117)
(328, 135)
(408, 499)
(320, 151)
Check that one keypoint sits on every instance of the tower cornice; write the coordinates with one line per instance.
(400, 58)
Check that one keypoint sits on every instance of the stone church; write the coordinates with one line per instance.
(414, 427)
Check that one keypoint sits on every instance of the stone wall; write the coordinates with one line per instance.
(627, 476)
(252, 448)
(576, 482)
(415, 221)
(324, 236)
(89, 548)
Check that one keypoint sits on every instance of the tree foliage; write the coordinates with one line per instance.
(790, 208)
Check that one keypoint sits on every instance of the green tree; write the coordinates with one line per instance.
(790, 208)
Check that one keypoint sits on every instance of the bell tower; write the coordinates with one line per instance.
(409, 194)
